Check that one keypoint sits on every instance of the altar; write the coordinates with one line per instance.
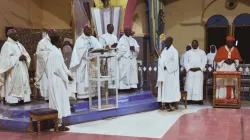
(230, 81)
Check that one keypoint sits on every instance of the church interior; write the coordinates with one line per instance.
(137, 113)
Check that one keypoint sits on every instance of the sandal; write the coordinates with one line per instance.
(170, 109)
(63, 128)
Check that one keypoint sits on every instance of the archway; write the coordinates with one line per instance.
(241, 31)
(217, 28)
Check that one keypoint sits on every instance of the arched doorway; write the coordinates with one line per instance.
(217, 28)
(241, 32)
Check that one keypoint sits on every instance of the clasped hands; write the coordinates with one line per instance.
(132, 48)
(112, 46)
(70, 78)
(229, 61)
(195, 69)
(22, 58)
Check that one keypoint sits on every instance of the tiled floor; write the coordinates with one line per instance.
(194, 123)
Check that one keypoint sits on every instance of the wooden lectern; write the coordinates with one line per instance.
(227, 80)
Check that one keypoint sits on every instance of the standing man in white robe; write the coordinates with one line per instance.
(79, 61)
(211, 55)
(128, 50)
(168, 76)
(188, 47)
(42, 53)
(58, 79)
(109, 41)
(195, 61)
(14, 67)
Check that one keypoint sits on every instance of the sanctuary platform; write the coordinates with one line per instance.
(16, 117)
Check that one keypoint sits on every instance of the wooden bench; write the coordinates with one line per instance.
(43, 114)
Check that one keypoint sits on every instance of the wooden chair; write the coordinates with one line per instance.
(43, 114)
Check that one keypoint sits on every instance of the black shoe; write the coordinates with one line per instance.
(201, 103)
(189, 102)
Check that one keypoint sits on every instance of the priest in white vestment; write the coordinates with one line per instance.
(128, 50)
(42, 53)
(227, 59)
(109, 41)
(14, 67)
(211, 55)
(168, 82)
(79, 61)
(58, 79)
(195, 61)
(188, 47)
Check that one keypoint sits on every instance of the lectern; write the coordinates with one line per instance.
(227, 89)
(99, 79)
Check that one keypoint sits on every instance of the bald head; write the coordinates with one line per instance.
(169, 42)
(127, 31)
(12, 34)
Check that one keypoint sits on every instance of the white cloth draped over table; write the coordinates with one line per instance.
(42, 53)
(58, 80)
(128, 73)
(210, 56)
(14, 72)
(194, 80)
(110, 39)
(168, 80)
(79, 64)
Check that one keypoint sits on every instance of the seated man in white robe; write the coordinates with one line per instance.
(79, 61)
(14, 67)
(168, 77)
(42, 53)
(195, 61)
(58, 78)
(188, 47)
(128, 50)
(109, 41)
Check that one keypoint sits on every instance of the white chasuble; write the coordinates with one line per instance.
(16, 77)
(128, 73)
(42, 53)
(58, 81)
(79, 63)
(194, 80)
(108, 40)
(168, 80)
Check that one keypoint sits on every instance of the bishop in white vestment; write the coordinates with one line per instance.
(109, 41)
(79, 61)
(58, 79)
(14, 67)
(128, 50)
(168, 76)
(43, 49)
(195, 61)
